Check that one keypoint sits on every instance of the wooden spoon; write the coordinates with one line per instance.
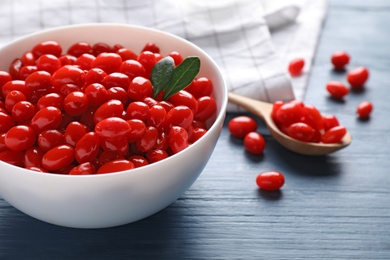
(263, 110)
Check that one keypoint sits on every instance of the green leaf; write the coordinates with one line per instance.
(162, 74)
(183, 75)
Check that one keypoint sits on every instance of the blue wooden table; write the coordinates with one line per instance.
(331, 207)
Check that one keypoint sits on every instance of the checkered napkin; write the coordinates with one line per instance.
(237, 34)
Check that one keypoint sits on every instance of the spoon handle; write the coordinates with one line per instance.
(259, 108)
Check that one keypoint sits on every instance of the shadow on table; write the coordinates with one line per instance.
(313, 166)
(153, 237)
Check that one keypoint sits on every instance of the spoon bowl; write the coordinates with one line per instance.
(263, 110)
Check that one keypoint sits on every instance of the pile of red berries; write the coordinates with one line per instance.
(305, 123)
(92, 109)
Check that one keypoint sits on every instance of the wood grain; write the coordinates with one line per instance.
(331, 207)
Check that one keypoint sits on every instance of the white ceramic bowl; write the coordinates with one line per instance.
(98, 201)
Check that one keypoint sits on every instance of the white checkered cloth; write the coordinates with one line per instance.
(251, 40)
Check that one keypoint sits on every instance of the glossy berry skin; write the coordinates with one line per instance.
(289, 113)
(46, 118)
(38, 80)
(109, 62)
(79, 48)
(87, 148)
(83, 169)
(337, 89)
(115, 166)
(138, 160)
(28, 59)
(112, 128)
(58, 157)
(49, 139)
(357, 77)
(6, 122)
(364, 109)
(147, 59)
(26, 71)
(148, 140)
(137, 130)
(334, 135)
(20, 138)
(295, 67)
(33, 157)
(133, 69)
(126, 54)
(196, 134)
(184, 98)
(330, 121)
(74, 132)
(68, 75)
(51, 99)
(4, 78)
(207, 107)
(200, 87)
(313, 117)
(119, 146)
(140, 88)
(3, 147)
(157, 114)
(100, 47)
(152, 47)
(96, 94)
(12, 157)
(19, 85)
(271, 180)
(137, 110)
(156, 155)
(12, 98)
(340, 59)
(119, 94)
(85, 61)
(254, 143)
(47, 47)
(94, 75)
(111, 108)
(48, 62)
(179, 116)
(301, 132)
(176, 56)
(76, 103)
(240, 126)
(178, 139)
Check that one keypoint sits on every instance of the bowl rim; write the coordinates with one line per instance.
(219, 118)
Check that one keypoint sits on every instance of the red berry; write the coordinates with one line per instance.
(340, 59)
(178, 139)
(254, 143)
(19, 138)
(47, 47)
(112, 128)
(240, 126)
(337, 89)
(116, 166)
(334, 135)
(57, 158)
(357, 77)
(271, 180)
(364, 109)
(295, 67)
(301, 132)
